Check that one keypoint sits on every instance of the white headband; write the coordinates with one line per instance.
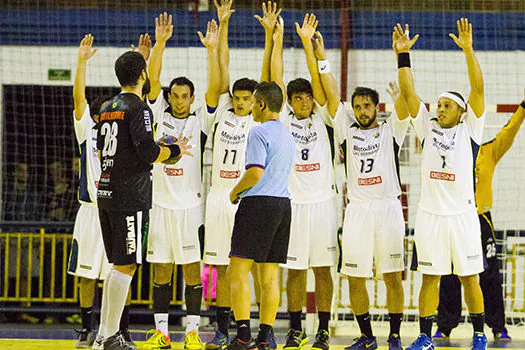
(454, 98)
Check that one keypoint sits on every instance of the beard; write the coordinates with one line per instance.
(368, 123)
(146, 88)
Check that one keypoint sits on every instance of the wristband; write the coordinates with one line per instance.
(324, 66)
(522, 104)
(403, 60)
(174, 151)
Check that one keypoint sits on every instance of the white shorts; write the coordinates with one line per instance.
(446, 240)
(88, 256)
(220, 216)
(313, 236)
(373, 232)
(174, 235)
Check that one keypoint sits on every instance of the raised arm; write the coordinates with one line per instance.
(306, 32)
(85, 52)
(144, 47)
(163, 31)
(333, 96)
(505, 137)
(224, 12)
(268, 21)
(400, 103)
(277, 66)
(211, 42)
(401, 43)
(476, 98)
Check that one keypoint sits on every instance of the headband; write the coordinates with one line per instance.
(454, 98)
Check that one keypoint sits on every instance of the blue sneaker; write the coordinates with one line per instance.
(363, 343)
(423, 342)
(220, 341)
(394, 342)
(479, 341)
(272, 341)
(440, 336)
(502, 336)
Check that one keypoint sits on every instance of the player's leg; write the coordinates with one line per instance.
(193, 298)
(395, 300)
(428, 303)
(162, 295)
(269, 278)
(124, 323)
(238, 271)
(324, 289)
(449, 309)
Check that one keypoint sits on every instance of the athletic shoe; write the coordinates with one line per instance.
(127, 338)
(192, 341)
(502, 336)
(116, 342)
(272, 340)
(440, 336)
(363, 343)
(263, 346)
(295, 339)
(423, 342)
(322, 339)
(85, 338)
(220, 341)
(157, 341)
(394, 342)
(238, 344)
(479, 341)
(98, 344)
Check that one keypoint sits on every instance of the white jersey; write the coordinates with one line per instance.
(178, 186)
(449, 160)
(372, 157)
(313, 178)
(229, 144)
(86, 134)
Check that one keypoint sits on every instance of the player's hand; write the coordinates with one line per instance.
(234, 197)
(318, 43)
(464, 38)
(401, 41)
(144, 47)
(307, 30)
(184, 145)
(270, 15)
(224, 10)
(394, 91)
(163, 27)
(86, 49)
(211, 40)
(278, 32)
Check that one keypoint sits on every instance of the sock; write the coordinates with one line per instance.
(161, 323)
(264, 333)
(364, 325)
(243, 330)
(295, 320)
(324, 318)
(86, 313)
(259, 307)
(193, 296)
(395, 323)
(478, 322)
(118, 288)
(124, 319)
(103, 309)
(162, 294)
(425, 325)
(192, 324)
(223, 319)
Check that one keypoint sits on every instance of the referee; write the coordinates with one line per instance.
(490, 280)
(126, 151)
(262, 223)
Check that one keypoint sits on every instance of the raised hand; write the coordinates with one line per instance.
(184, 145)
(144, 47)
(394, 91)
(86, 50)
(307, 31)
(224, 9)
(401, 41)
(464, 41)
(279, 29)
(270, 15)
(318, 43)
(163, 27)
(211, 39)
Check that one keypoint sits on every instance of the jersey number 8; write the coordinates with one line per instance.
(110, 131)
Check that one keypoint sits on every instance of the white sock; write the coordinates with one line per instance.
(103, 309)
(192, 323)
(161, 323)
(118, 286)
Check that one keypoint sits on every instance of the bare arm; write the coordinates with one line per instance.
(210, 41)
(268, 21)
(250, 178)
(85, 52)
(163, 31)
(328, 82)
(505, 137)
(277, 66)
(224, 12)
(400, 103)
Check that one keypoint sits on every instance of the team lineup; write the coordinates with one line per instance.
(272, 200)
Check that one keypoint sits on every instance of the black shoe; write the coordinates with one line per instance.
(322, 339)
(127, 338)
(264, 346)
(295, 339)
(116, 342)
(237, 344)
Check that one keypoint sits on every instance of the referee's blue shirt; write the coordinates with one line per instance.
(270, 147)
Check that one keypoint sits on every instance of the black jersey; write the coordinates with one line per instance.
(127, 149)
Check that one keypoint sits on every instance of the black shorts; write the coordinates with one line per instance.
(125, 235)
(261, 231)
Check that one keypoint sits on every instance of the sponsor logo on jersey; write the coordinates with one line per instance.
(173, 171)
(305, 139)
(296, 125)
(358, 138)
(438, 144)
(118, 115)
(437, 175)
(232, 139)
(369, 181)
(366, 150)
(131, 243)
(169, 126)
(303, 168)
(229, 124)
(437, 132)
(225, 174)
(105, 193)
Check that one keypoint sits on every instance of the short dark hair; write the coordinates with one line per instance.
(129, 67)
(298, 86)
(182, 81)
(271, 94)
(96, 104)
(244, 84)
(366, 92)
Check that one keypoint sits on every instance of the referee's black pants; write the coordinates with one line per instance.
(490, 280)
